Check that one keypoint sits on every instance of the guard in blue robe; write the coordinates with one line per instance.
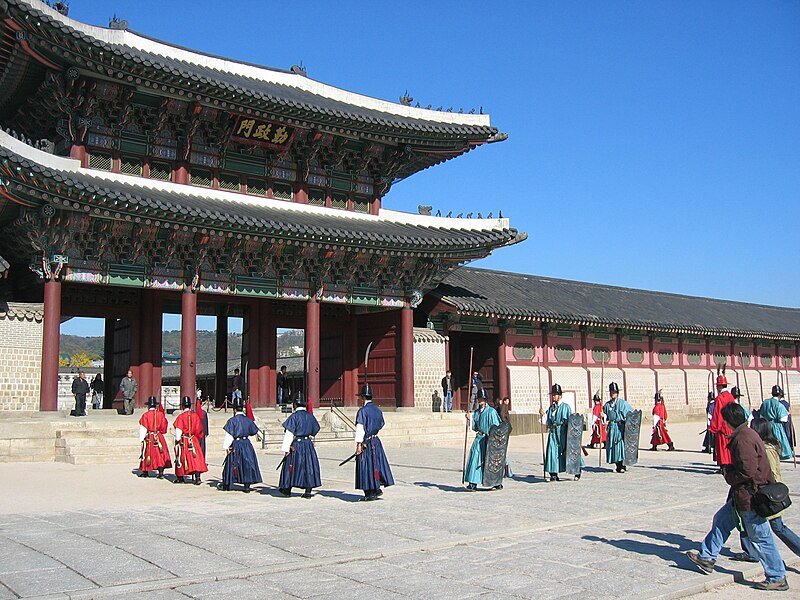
(773, 411)
(300, 467)
(241, 464)
(372, 467)
(616, 411)
(556, 419)
(482, 421)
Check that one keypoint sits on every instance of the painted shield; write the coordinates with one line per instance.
(574, 443)
(633, 424)
(494, 464)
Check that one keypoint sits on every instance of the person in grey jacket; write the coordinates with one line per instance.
(128, 387)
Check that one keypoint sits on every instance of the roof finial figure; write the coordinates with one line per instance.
(406, 100)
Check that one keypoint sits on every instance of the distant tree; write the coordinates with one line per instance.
(63, 360)
(81, 359)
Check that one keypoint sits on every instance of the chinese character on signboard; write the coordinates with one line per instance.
(263, 133)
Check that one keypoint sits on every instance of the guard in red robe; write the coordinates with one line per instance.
(599, 434)
(660, 433)
(155, 453)
(189, 457)
(718, 426)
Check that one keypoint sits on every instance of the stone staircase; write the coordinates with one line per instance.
(106, 437)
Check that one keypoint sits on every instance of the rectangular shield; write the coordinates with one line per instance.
(494, 463)
(633, 424)
(574, 443)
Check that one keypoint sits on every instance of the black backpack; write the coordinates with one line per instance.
(770, 499)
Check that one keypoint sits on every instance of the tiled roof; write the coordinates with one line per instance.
(519, 296)
(22, 311)
(245, 83)
(231, 212)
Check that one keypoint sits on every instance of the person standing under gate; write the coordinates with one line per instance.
(128, 386)
(238, 385)
(80, 387)
(284, 389)
(447, 392)
(98, 386)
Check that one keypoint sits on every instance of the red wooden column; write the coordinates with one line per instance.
(146, 349)
(407, 357)
(265, 338)
(312, 349)
(502, 369)
(78, 152)
(188, 343)
(48, 398)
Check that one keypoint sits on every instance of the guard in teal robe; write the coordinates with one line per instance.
(616, 411)
(773, 411)
(482, 421)
(556, 455)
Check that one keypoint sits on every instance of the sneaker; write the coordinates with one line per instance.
(706, 566)
(776, 586)
(743, 557)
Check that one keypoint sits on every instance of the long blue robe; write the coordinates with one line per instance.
(482, 421)
(301, 467)
(789, 426)
(556, 455)
(372, 467)
(616, 412)
(773, 411)
(241, 465)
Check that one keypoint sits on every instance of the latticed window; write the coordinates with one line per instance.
(201, 177)
(720, 358)
(229, 182)
(766, 360)
(339, 201)
(524, 352)
(160, 171)
(744, 359)
(566, 353)
(257, 187)
(694, 357)
(787, 360)
(601, 355)
(282, 191)
(635, 356)
(130, 166)
(101, 162)
(665, 357)
(316, 197)
(361, 204)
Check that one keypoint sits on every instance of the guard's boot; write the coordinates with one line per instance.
(160, 473)
(620, 467)
(197, 479)
(671, 446)
(654, 448)
(307, 493)
(578, 476)
(246, 488)
(554, 477)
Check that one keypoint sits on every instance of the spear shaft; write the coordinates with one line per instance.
(541, 428)
(466, 425)
(600, 423)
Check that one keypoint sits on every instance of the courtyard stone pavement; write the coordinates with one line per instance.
(101, 532)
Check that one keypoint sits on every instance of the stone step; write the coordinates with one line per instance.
(103, 442)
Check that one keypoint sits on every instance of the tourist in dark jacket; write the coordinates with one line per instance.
(80, 387)
(748, 471)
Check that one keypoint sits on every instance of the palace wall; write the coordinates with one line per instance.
(20, 356)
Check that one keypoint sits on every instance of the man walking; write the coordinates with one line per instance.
(447, 392)
(748, 471)
(128, 386)
(557, 417)
(616, 411)
(660, 433)
(718, 427)
(80, 387)
(372, 466)
(482, 421)
(97, 386)
(300, 466)
(241, 463)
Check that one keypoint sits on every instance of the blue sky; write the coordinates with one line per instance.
(652, 145)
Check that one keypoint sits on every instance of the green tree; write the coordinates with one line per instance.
(81, 359)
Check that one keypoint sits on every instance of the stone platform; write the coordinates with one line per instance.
(107, 437)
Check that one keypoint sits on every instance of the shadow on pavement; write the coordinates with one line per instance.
(701, 468)
(445, 488)
(343, 496)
